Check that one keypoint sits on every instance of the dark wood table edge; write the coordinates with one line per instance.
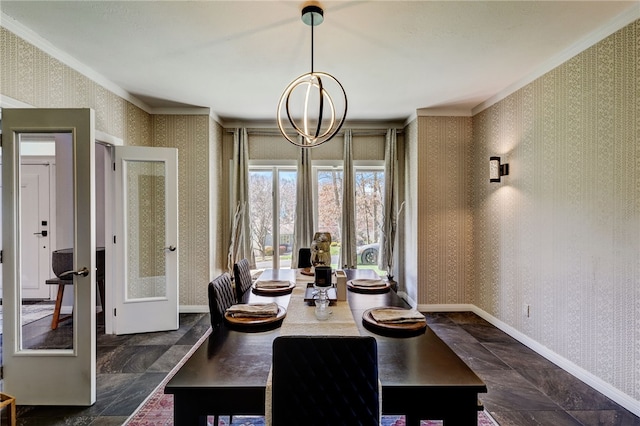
(250, 400)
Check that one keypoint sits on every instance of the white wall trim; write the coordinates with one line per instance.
(457, 307)
(193, 309)
(580, 373)
(617, 23)
(405, 296)
(8, 102)
(184, 111)
(33, 38)
(444, 112)
(108, 139)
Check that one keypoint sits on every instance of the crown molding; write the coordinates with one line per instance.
(8, 102)
(354, 124)
(444, 112)
(183, 111)
(33, 38)
(412, 117)
(617, 23)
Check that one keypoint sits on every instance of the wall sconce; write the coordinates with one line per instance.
(496, 170)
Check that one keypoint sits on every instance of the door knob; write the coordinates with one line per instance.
(170, 248)
(43, 233)
(83, 272)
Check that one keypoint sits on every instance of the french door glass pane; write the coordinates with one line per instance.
(329, 208)
(261, 204)
(369, 215)
(146, 268)
(286, 214)
(272, 198)
(41, 263)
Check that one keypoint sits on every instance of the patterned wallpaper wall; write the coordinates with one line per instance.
(443, 210)
(34, 77)
(191, 135)
(562, 231)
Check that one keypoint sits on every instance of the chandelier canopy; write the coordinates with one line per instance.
(307, 102)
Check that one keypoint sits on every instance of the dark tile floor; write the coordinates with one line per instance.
(129, 368)
(523, 387)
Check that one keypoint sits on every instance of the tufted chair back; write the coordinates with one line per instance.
(221, 296)
(325, 380)
(242, 276)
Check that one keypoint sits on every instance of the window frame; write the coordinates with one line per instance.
(275, 167)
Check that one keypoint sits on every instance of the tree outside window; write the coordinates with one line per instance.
(271, 228)
(272, 192)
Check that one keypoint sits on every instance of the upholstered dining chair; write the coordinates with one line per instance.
(325, 380)
(304, 257)
(221, 296)
(242, 277)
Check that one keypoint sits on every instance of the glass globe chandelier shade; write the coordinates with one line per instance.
(306, 105)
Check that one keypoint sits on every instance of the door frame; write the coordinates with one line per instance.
(110, 142)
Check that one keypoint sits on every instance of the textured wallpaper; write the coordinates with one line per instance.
(443, 210)
(34, 77)
(562, 231)
(190, 134)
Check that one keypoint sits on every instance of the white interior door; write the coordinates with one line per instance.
(146, 240)
(36, 235)
(34, 187)
(63, 374)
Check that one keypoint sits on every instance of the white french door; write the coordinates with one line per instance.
(63, 374)
(146, 240)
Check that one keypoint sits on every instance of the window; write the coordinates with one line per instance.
(369, 187)
(328, 205)
(272, 196)
(272, 192)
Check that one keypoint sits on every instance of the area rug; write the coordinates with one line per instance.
(157, 409)
(31, 313)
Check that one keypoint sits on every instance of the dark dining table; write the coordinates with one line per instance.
(421, 377)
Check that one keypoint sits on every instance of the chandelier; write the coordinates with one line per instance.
(317, 116)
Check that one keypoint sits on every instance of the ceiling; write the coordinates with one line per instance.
(392, 57)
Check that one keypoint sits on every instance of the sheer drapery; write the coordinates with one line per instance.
(388, 234)
(240, 245)
(304, 223)
(348, 258)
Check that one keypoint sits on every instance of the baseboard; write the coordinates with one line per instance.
(580, 373)
(453, 307)
(403, 295)
(193, 309)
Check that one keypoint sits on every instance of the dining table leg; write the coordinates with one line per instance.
(185, 413)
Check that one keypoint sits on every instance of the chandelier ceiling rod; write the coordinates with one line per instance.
(315, 92)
